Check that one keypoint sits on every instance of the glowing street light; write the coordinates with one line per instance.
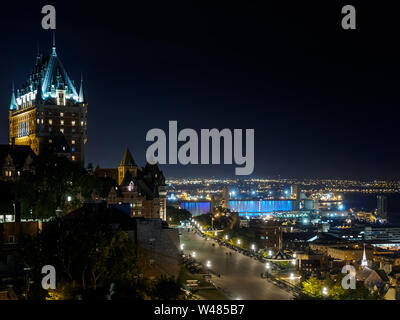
(194, 254)
(182, 245)
(238, 242)
(269, 253)
(226, 237)
(325, 291)
(215, 234)
(294, 262)
(208, 264)
(69, 198)
(253, 247)
(294, 255)
(267, 266)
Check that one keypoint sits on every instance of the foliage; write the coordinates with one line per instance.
(85, 251)
(174, 215)
(57, 184)
(166, 289)
(312, 289)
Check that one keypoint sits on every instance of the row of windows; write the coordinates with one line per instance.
(9, 173)
(72, 141)
(62, 122)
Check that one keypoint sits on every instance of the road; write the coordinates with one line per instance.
(240, 275)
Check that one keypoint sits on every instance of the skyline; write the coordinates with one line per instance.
(322, 100)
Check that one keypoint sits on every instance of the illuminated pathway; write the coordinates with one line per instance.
(240, 275)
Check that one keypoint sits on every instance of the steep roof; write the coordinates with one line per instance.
(127, 159)
(48, 75)
(17, 153)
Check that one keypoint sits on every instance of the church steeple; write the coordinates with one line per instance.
(127, 164)
(364, 261)
(13, 103)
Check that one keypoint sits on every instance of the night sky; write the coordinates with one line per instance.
(324, 102)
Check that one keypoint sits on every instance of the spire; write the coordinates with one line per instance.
(364, 261)
(54, 44)
(127, 159)
(13, 103)
(81, 96)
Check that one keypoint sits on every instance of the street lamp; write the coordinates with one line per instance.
(208, 265)
(267, 266)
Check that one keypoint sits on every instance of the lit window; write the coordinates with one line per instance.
(73, 122)
(38, 121)
(50, 121)
(62, 130)
(62, 122)
(81, 123)
(72, 141)
(50, 140)
(61, 114)
(73, 149)
(73, 158)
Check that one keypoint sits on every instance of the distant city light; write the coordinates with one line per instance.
(325, 291)
(69, 198)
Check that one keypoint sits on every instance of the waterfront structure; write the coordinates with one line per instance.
(364, 261)
(46, 106)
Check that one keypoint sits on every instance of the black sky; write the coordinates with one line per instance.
(323, 101)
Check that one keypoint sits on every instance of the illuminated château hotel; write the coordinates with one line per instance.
(48, 109)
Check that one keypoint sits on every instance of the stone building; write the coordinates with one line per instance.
(143, 189)
(46, 105)
(14, 160)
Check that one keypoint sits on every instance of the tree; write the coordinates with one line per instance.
(86, 252)
(166, 289)
(175, 216)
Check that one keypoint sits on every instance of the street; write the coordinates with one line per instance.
(240, 275)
